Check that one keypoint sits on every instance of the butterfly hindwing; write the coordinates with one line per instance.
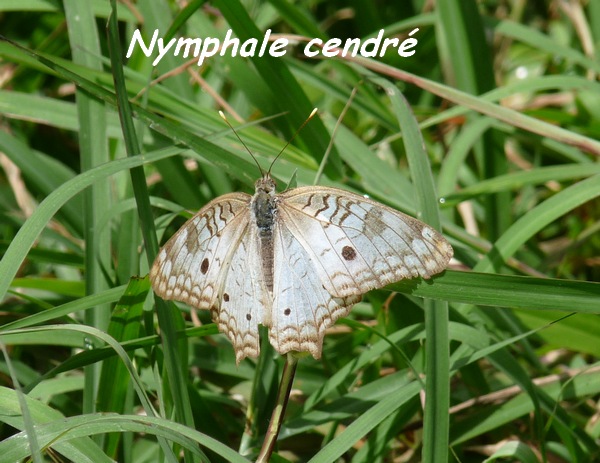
(302, 308)
(243, 299)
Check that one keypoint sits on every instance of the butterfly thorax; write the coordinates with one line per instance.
(263, 204)
(264, 210)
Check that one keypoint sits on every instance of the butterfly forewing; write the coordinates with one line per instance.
(357, 244)
(191, 266)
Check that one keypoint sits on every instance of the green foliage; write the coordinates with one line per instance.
(496, 114)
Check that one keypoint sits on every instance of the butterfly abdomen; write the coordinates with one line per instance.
(263, 211)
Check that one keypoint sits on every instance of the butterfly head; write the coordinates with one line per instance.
(266, 185)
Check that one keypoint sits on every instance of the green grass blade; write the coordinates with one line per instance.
(17, 251)
(534, 220)
(169, 320)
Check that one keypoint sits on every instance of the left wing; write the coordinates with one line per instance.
(189, 267)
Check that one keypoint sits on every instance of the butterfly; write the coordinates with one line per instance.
(294, 261)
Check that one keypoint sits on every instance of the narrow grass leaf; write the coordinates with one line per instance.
(28, 233)
(537, 218)
(82, 449)
(507, 291)
(365, 423)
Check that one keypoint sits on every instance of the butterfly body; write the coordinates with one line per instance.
(294, 261)
(263, 207)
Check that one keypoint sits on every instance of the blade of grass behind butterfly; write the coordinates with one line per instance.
(35, 224)
(481, 105)
(157, 15)
(114, 379)
(512, 291)
(93, 149)
(537, 218)
(437, 387)
(386, 183)
(286, 91)
(236, 166)
(298, 19)
(367, 101)
(43, 174)
(181, 183)
(466, 60)
(174, 350)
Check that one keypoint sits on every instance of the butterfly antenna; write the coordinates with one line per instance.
(314, 111)
(262, 172)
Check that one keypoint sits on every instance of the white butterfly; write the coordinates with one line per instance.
(294, 261)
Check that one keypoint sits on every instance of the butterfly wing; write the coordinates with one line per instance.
(302, 308)
(210, 263)
(190, 266)
(357, 244)
(244, 299)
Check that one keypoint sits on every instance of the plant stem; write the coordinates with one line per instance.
(283, 395)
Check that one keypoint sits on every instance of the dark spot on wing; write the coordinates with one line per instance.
(248, 317)
(226, 297)
(287, 311)
(204, 266)
(348, 253)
